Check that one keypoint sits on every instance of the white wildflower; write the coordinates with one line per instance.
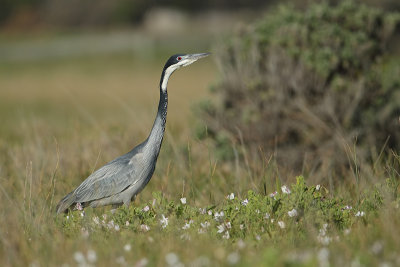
(206, 224)
(273, 194)
(347, 207)
(258, 237)
(245, 202)
(127, 247)
(218, 215)
(78, 206)
(221, 228)
(323, 257)
(183, 200)
(202, 211)
(172, 259)
(209, 212)
(121, 260)
(116, 227)
(318, 187)
(272, 220)
(226, 235)
(233, 258)
(96, 220)
(146, 208)
(82, 213)
(146, 228)
(231, 196)
(285, 189)
(104, 216)
(67, 217)
(186, 226)
(267, 216)
(257, 211)
(241, 226)
(91, 256)
(281, 224)
(292, 213)
(164, 221)
(360, 214)
(228, 225)
(127, 223)
(79, 257)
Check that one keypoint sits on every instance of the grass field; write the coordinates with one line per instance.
(63, 117)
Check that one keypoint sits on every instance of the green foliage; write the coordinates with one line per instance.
(307, 85)
(295, 215)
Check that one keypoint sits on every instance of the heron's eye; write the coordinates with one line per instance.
(179, 58)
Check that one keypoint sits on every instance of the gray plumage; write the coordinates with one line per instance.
(119, 181)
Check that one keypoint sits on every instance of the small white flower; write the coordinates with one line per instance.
(172, 259)
(245, 202)
(209, 212)
(96, 220)
(146, 228)
(82, 213)
(285, 189)
(292, 213)
(186, 226)
(226, 235)
(347, 207)
(221, 228)
(202, 211)
(241, 226)
(104, 216)
(183, 200)
(78, 206)
(257, 211)
(91, 256)
(360, 214)
(231, 196)
(273, 194)
(127, 247)
(116, 227)
(206, 224)
(146, 208)
(272, 220)
(233, 258)
(318, 187)
(79, 257)
(127, 223)
(164, 221)
(258, 237)
(281, 224)
(228, 225)
(267, 216)
(218, 215)
(67, 217)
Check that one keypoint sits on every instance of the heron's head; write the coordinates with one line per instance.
(177, 61)
(182, 60)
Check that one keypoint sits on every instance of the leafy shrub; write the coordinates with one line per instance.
(308, 85)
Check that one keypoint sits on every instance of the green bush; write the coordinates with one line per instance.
(308, 85)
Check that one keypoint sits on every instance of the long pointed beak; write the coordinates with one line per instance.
(197, 56)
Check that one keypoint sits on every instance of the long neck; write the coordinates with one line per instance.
(157, 132)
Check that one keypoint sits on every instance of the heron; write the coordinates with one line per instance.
(120, 180)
